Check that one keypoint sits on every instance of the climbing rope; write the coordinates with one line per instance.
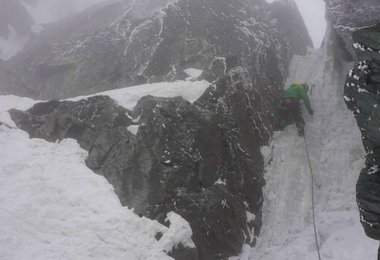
(312, 198)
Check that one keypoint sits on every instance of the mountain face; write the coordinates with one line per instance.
(201, 160)
(128, 43)
(348, 16)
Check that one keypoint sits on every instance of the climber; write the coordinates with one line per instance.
(290, 110)
(361, 94)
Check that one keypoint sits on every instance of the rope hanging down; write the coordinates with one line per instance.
(312, 198)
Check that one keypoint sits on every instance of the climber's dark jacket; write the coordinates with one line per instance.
(362, 97)
(298, 92)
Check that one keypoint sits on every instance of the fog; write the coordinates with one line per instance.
(313, 13)
(47, 11)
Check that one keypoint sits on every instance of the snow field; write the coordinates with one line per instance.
(54, 207)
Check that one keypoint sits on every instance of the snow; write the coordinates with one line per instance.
(133, 129)
(54, 207)
(193, 73)
(128, 97)
(334, 144)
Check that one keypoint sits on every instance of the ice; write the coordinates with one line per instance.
(336, 153)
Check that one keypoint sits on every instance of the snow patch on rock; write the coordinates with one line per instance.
(54, 207)
(128, 97)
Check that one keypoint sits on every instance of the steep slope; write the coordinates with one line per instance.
(201, 160)
(334, 145)
(126, 46)
(54, 207)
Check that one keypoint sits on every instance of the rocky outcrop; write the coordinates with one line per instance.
(200, 160)
(289, 22)
(115, 45)
(346, 16)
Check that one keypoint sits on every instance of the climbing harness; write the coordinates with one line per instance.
(312, 198)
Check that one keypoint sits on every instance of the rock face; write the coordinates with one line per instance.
(96, 51)
(201, 160)
(291, 26)
(346, 16)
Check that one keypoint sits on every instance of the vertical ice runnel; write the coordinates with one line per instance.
(336, 156)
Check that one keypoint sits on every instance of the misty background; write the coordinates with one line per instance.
(14, 31)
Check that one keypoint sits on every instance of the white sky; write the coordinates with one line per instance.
(313, 13)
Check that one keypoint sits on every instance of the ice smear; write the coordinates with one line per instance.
(336, 154)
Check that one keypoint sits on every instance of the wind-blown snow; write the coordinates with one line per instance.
(336, 154)
(54, 207)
